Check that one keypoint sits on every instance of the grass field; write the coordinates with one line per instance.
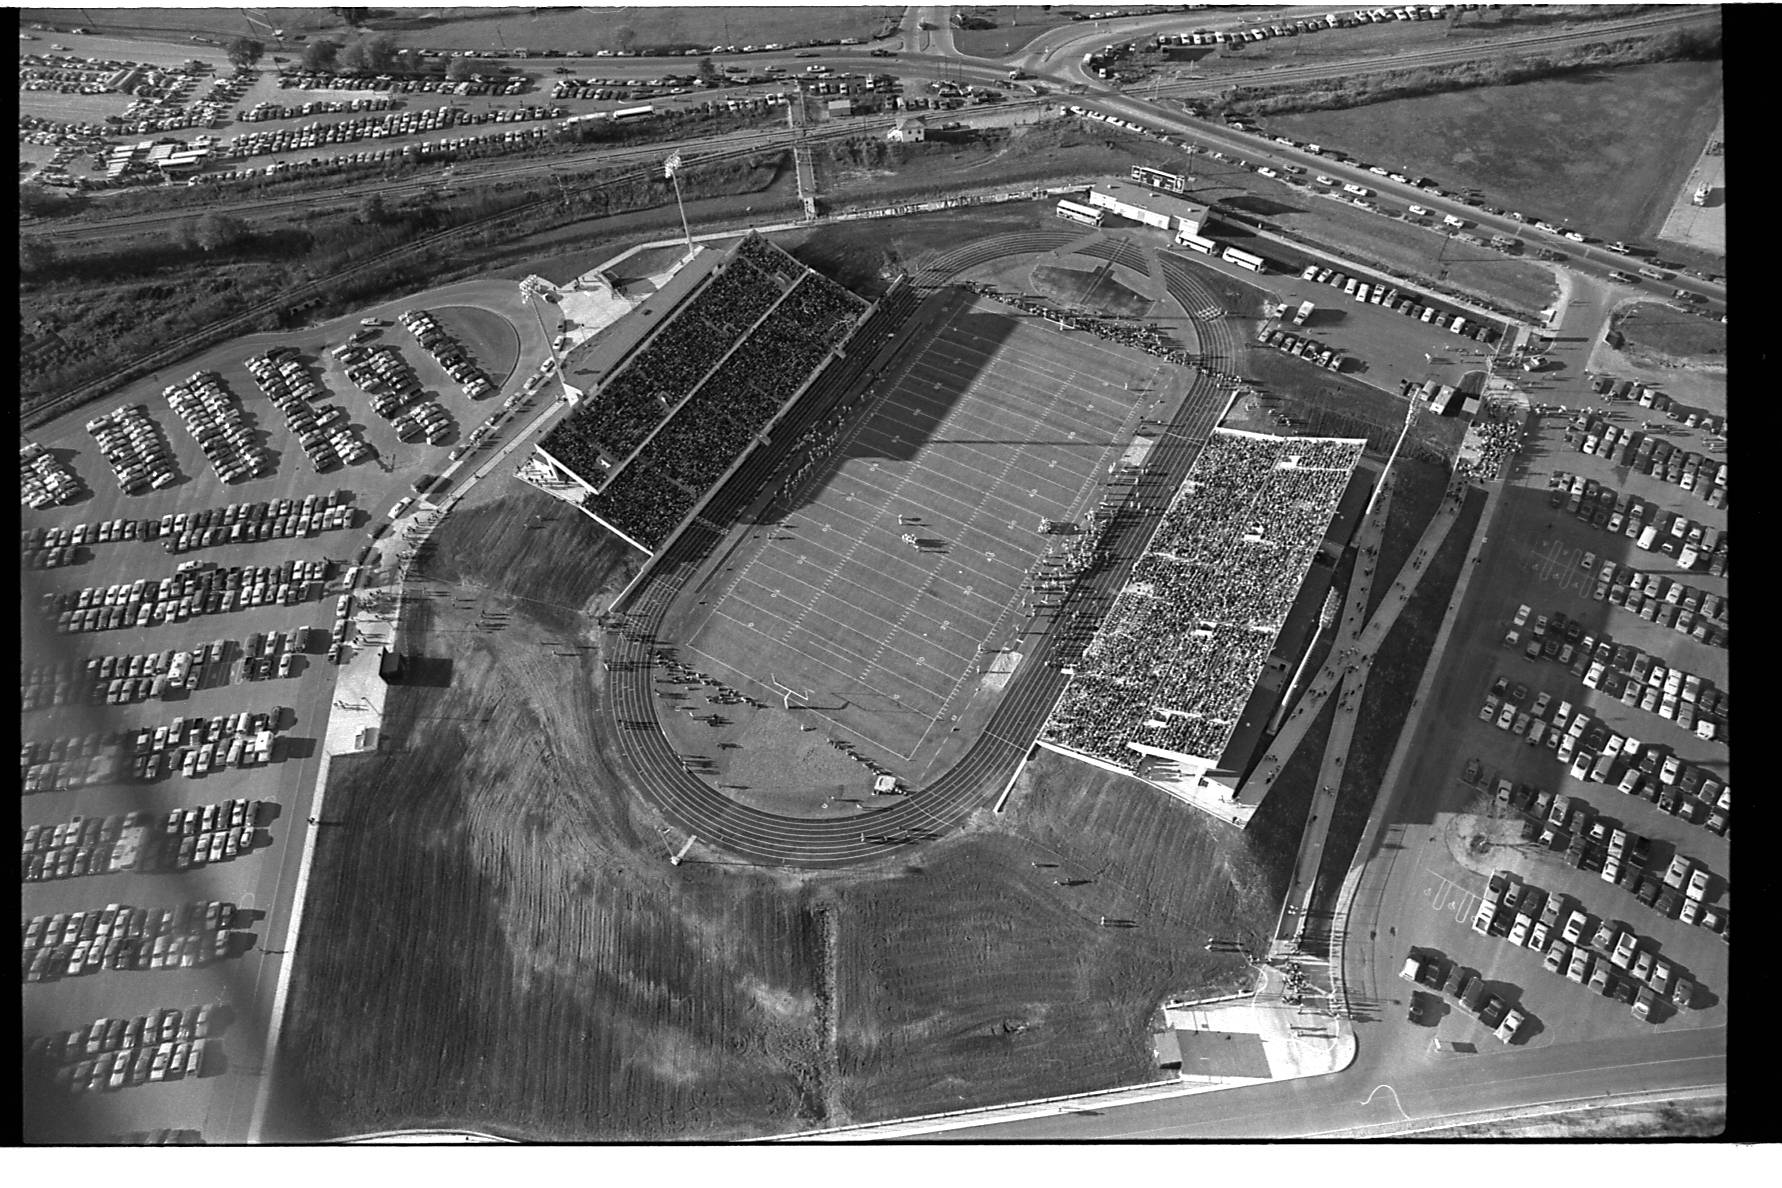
(972, 978)
(1666, 334)
(1094, 289)
(997, 422)
(1604, 150)
(592, 28)
(1392, 681)
(494, 939)
(1336, 406)
(1016, 25)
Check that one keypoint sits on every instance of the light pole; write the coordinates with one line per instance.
(671, 169)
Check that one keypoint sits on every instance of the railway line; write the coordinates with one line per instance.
(657, 771)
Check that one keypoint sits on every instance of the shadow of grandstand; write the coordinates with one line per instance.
(887, 402)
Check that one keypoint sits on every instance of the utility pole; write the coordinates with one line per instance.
(671, 168)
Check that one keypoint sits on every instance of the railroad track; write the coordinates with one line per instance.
(972, 783)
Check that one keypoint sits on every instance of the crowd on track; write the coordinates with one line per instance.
(776, 319)
(1499, 433)
(1178, 654)
(1144, 338)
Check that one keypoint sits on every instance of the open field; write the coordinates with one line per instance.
(997, 422)
(1392, 680)
(1606, 150)
(517, 956)
(1016, 25)
(592, 28)
(469, 27)
(971, 977)
(1669, 335)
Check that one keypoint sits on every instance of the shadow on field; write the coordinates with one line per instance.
(425, 672)
(1260, 206)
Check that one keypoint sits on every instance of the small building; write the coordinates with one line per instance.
(1132, 201)
(841, 107)
(908, 130)
(390, 667)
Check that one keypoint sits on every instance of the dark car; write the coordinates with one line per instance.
(1458, 978)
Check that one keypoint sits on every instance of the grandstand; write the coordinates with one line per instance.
(655, 437)
(1169, 683)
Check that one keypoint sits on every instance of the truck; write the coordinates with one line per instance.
(1304, 312)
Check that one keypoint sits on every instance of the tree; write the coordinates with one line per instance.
(380, 51)
(319, 56)
(709, 75)
(458, 70)
(41, 201)
(352, 58)
(245, 51)
(372, 210)
(219, 231)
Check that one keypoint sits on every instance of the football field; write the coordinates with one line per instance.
(878, 597)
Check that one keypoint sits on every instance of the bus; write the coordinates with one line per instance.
(1242, 259)
(1196, 243)
(1159, 180)
(625, 114)
(1076, 212)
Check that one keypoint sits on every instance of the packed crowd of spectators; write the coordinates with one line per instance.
(615, 420)
(1494, 439)
(1182, 646)
(717, 423)
(1145, 338)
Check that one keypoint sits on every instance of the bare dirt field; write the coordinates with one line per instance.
(496, 915)
(1606, 150)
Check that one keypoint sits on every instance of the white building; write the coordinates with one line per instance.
(908, 130)
(1132, 201)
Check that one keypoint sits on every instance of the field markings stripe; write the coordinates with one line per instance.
(853, 629)
(844, 727)
(851, 678)
(957, 591)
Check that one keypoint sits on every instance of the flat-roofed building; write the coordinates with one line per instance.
(1132, 201)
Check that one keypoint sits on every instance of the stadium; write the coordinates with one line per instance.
(892, 547)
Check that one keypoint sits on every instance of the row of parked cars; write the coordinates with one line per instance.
(213, 416)
(394, 391)
(1642, 680)
(1613, 959)
(324, 433)
(1407, 303)
(187, 838)
(167, 1025)
(133, 444)
(476, 85)
(205, 590)
(1691, 544)
(390, 126)
(44, 479)
(1597, 754)
(1687, 469)
(1467, 988)
(1646, 396)
(116, 680)
(121, 937)
(279, 111)
(1619, 855)
(60, 764)
(447, 352)
(1304, 347)
(135, 1066)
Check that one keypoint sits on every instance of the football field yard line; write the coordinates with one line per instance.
(846, 728)
(818, 609)
(961, 591)
(848, 678)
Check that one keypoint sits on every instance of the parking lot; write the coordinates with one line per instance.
(299, 691)
(1385, 347)
(1501, 785)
